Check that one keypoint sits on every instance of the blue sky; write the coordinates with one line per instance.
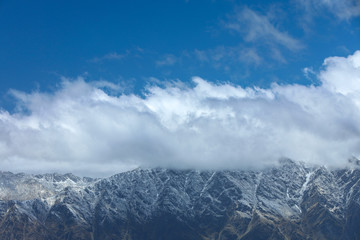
(128, 42)
(119, 84)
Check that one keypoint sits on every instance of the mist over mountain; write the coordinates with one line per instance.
(290, 201)
(88, 129)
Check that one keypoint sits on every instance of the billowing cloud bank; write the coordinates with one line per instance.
(81, 129)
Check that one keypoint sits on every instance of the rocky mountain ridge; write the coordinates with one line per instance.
(289, 201)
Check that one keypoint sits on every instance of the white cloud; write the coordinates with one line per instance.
(258, 28)
(342, 75)
(81, 129)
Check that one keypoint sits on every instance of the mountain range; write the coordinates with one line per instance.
(288, 201)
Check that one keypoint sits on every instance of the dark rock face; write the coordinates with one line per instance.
(290, 201)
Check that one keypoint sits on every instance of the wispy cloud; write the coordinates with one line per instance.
(227, 55)
(258, 28)
(261, 42)
(110, 56)
(251, 55)
(167, 60)
(342, 9)
(81, 128)
(309, 73)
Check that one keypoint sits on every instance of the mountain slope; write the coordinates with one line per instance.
(290, 201)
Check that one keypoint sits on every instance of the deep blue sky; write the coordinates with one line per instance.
(127, 42)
